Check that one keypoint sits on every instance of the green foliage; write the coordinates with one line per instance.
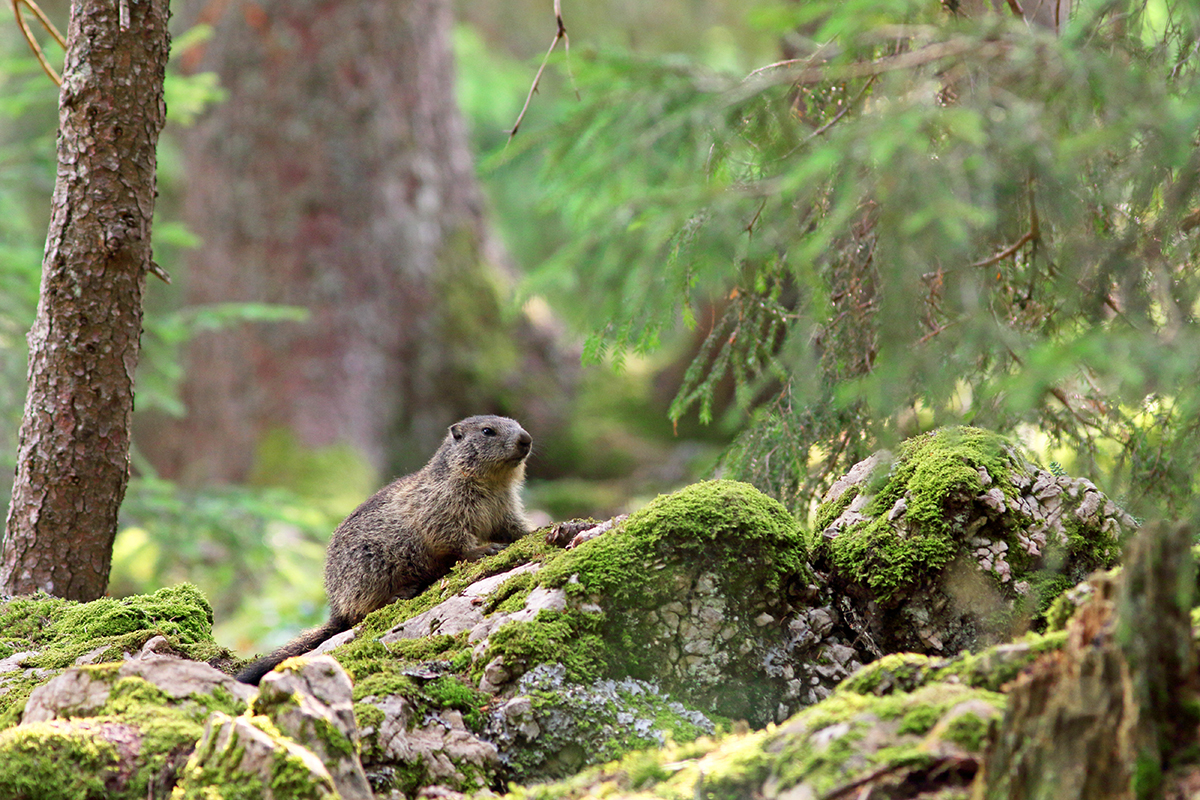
(235, 543)
(921, 220)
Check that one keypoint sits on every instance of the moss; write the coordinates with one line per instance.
(570, 638)
(16, 692)
(531, 548)
(939, 477)
(449, 692)
(181, 612)
(428, 648)
(902, 672)
(28, 619)
(989, 669)
(510, 596)
(992, 668)
(384, 682)
(62, 631)
(930, 472)
(59, 632)
(739, 773)
(446, 691)
(461, 661)
(968, 731)
(830, 511)
(1046, 586)
(827, 745)
(727, 523)
(167, 730)
(742, 546)
(919, 720)
(210, 768)
(52, 761)
(644, 768)
(166, 727)
(368, 716)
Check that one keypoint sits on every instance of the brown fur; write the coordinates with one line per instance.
(463, 505)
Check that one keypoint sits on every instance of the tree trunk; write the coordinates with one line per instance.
(73, 457)
(336, 177)
(1115, 712)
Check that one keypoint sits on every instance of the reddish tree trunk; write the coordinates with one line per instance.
(73, 458)
(336, 177)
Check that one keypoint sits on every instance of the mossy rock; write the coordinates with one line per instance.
(672, 596)
(689, 596)
(247, 758)
(55, 634)
(130, 735)
(882, 746)
(959, 541)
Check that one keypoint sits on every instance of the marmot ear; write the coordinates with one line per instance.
(457, 432)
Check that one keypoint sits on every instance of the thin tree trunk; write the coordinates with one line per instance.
(73, 456)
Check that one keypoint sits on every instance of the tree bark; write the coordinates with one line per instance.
(336, 177)
(1115, 712)
(73, 455)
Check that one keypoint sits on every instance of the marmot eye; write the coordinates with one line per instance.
(489, 431)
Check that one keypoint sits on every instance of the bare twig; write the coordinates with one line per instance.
(821, 130)
(909, 60)
(1008, 251)
(1032, 235)
(33, 43)
(559, 34)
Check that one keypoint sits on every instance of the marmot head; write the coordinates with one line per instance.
(488, 448)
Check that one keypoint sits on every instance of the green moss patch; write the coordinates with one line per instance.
(990, 669)
(959, 541)
(57, 761)
(153, 732)
(937, 475)
(63, 630)
(570, 638)
(727, 524)
(218, 768)
(105, 630)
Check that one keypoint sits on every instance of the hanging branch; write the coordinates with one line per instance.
(560, 34)
(33, 43)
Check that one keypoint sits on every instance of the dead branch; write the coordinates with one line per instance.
(1008, 251)
(38, 53)
(559, 34)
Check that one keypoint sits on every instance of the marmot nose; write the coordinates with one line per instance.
(524, 442)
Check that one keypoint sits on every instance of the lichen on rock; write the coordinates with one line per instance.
(552, 728)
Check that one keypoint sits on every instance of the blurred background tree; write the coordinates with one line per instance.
(920, 215)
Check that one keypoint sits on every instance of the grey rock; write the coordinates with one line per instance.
(310, 701)
(236, 746)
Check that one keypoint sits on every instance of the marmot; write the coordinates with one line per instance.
(463, 505)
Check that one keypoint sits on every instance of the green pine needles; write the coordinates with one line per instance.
(920, 219)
